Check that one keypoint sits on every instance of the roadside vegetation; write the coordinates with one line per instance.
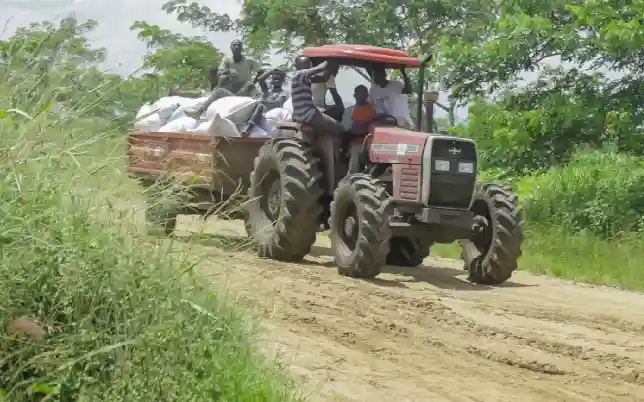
(124, 318)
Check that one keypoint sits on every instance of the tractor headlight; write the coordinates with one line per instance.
(441, 166)
(466, 167)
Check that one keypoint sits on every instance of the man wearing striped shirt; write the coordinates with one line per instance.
(304, 109)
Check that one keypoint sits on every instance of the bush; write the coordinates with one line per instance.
(602, 192)
(123, 322)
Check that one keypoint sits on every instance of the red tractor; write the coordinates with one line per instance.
(413, 189)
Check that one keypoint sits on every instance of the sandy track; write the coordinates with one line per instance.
(425, 334)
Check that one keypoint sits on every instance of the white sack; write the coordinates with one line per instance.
(218, 127)
(183, 124)
(288, 105)
(258, 131)
(151, 123)
(187, 104)
(145, 111)
(166, 106)
(203, 128)
(278, 114)
(223, 127)
(237, 109)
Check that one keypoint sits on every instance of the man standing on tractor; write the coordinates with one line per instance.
(389, 96)
(304, 109)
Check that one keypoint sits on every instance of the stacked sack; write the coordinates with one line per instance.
(222, 118)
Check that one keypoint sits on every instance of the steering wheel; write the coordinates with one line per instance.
(384, 119)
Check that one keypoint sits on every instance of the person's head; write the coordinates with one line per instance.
(379, 75)
(277, 78)
(237, 49)
(361, 94)
(302, 63)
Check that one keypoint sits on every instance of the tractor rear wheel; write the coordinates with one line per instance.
(407, 252)
(499, 237)
(283, 212)
(359, 226)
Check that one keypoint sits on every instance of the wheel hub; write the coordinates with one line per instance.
(350, 226)
(274, 199)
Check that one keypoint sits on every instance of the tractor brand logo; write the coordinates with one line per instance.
(399, 149)
(454, 151)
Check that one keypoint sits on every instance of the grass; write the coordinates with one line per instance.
(125, 319)
(581, 256)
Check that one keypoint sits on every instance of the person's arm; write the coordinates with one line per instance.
(321, 72)
(407, 89)
(224, 65)
(347, 120)
(337, 99)
(261, 81)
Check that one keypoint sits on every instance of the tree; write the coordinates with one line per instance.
(181, 60)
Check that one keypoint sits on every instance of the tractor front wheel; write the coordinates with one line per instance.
(407, 252)
(498, 235)
(359, 227)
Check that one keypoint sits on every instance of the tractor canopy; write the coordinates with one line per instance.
(367, 56)
(362, 55)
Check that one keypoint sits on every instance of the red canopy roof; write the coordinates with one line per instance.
(392, 57)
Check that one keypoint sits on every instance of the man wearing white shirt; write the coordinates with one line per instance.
(390, 96)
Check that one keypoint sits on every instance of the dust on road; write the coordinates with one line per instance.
(426, 334)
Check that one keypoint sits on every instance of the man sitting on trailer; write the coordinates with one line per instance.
(273, 96)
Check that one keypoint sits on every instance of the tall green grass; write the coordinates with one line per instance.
(581, 256)
(125, 319)
(584, 220)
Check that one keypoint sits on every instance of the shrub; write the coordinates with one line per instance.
(602, 192)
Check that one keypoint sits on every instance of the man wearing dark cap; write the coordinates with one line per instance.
(273, 96)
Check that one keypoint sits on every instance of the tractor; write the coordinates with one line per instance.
(413, 189)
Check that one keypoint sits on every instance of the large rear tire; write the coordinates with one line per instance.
(359, 227)
(501, 237)
(283, 212)
(407, 252)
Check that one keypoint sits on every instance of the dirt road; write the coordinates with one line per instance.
(425, 334)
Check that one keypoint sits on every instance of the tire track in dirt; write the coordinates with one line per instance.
(425, 334)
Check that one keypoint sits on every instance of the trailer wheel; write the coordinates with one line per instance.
(407, 252)
(359, 227)
(283, 212)
(499, 235)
